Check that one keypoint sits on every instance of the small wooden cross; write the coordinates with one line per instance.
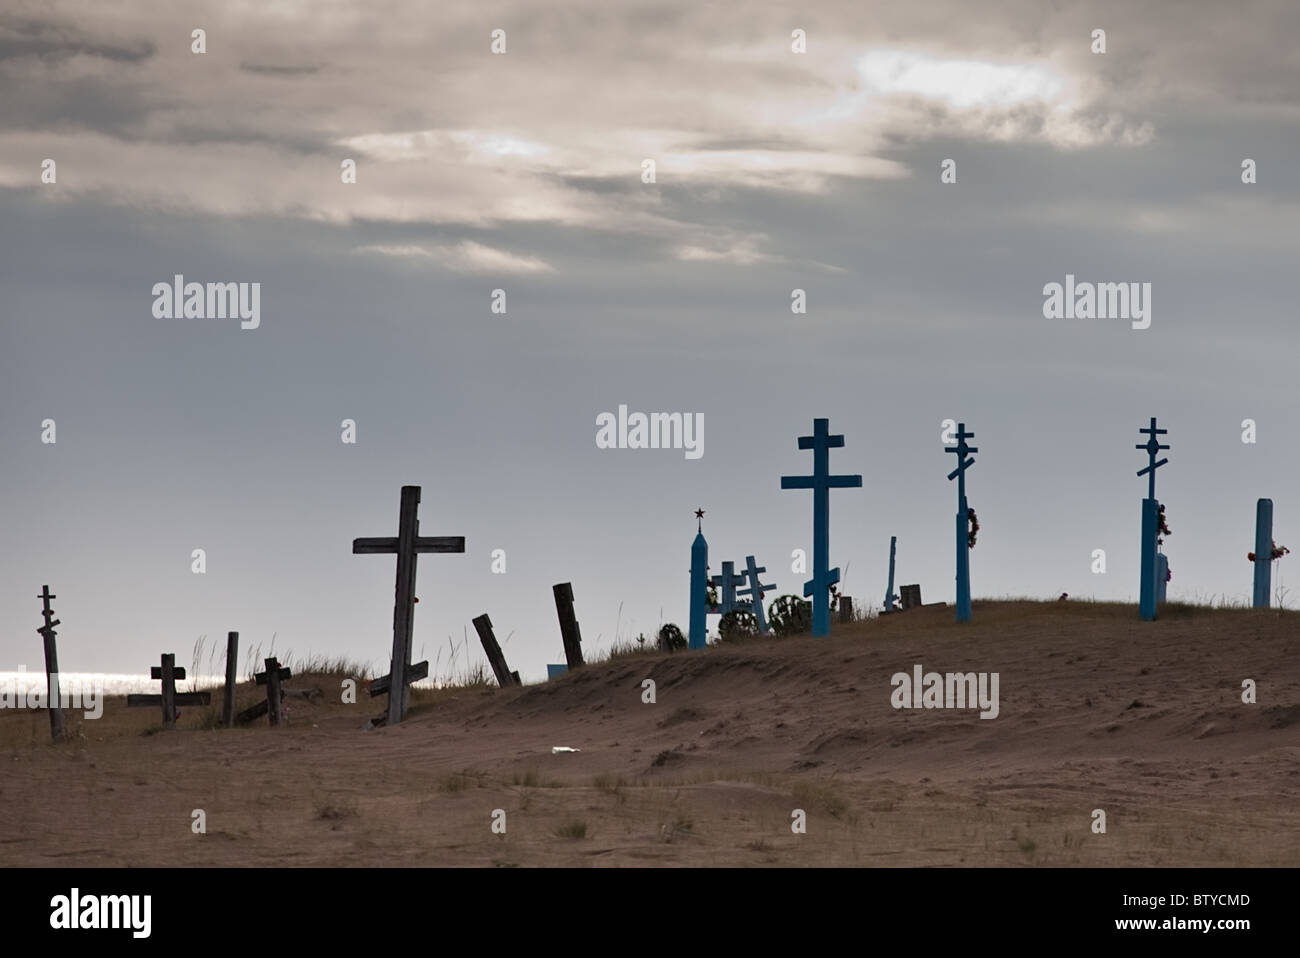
(169, 674)
(407, 544)
(271, 678)
(755, 591)
(726, 584)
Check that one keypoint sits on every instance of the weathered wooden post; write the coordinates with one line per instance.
(698, 630)
(228, 694)
(911, 597)
(569, 630)
(821, 482)
(272, 678)
(1263, 553)
(407, 544)
(1162, 577)
(846, 610)
(505, 678)
(726, 584)
(1150, 522)
(963, 519)
(755, 590)
(52, 689)
(169, 674)
(890, 597)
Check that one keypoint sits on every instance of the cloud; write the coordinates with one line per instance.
(464, 257)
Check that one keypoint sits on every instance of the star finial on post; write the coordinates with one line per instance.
(699, 515)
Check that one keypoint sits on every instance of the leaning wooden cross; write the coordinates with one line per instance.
(170, 698)
(55, 694)
(407, 544)
(271, 705)
(505, 678)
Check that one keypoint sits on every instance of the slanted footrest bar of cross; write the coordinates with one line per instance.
(414, 673)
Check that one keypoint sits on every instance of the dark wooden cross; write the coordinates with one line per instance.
(505, 678)
(821, 482)
(170, 698)
(52, 666)
(407, 544)
(271, 678)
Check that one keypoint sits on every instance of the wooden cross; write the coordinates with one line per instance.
(1153, 448)
(570, 633)
(726, 584)
(505, 678)
(170, 698)
(821, 482)
(755, 590)
(51, 665)
(271, 678)
(890, 597)
(407, 544)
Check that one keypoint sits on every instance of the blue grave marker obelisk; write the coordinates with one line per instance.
(755, 591)
(699, 628)
(963, 519)
(1263, 552)
(821, 482)
(726, 583)
(890, 597)
(1150, 521)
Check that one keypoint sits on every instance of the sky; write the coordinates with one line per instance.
(524, 171)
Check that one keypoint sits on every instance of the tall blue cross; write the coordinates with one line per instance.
(964, 462)
(755, 591)
(726, 584)
(821, 482)
(1149, 595)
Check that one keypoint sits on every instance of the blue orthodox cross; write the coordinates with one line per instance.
(1153, 448)
(821, 482)
(726, 584)
(755, 591)
(1150, 589)
(964, 462)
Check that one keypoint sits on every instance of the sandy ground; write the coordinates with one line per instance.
(1098, 710)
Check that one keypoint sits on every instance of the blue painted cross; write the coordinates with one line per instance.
(755, 591)
(821, 482)
(726, 584)
(963, 452)
(1149, 594)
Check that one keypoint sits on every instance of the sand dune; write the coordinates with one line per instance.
(1097, 710)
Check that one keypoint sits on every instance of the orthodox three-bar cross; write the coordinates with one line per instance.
(1153, 448)
(726, 584)
(964, 462)
(821, 482)
(407, 544)
(1148, 596)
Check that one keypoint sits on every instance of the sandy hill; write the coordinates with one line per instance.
(1097, 710)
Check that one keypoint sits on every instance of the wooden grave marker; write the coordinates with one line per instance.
(569, 631)
(228, 694)
(169, 674)
(54, 693)
(910, 596)
(407, 545)
(505, 678)
(271, 678)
